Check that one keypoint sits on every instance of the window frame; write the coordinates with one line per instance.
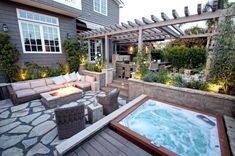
(95, 49)
(40, 24)
(100, 7)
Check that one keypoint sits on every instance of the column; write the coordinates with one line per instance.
(140, 40)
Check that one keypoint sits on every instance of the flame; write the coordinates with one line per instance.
(67, 90)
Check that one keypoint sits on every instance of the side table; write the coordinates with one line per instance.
(95, 86)
(95, 112)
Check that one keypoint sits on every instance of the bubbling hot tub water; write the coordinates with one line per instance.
(182, 131)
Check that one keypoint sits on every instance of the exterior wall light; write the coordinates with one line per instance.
(5, 28)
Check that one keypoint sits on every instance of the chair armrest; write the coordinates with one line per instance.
(12, 94)
(101, 99)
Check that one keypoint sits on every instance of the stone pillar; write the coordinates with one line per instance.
(108, 75)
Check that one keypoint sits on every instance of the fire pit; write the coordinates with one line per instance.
(61, 96)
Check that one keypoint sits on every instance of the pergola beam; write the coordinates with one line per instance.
(165, 17)
(181, 20)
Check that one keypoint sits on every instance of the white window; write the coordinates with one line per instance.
(100, 6)
(94, 46)
(39, 33)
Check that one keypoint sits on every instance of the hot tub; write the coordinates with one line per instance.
(169, 129)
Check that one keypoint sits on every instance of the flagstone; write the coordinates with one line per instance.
(29, 142)
(8, 141)
(40, 119)
(20, 113)
(7, 121)
(48, 138)
(38, 149)
(35, 103)
(29, 118)
(13, 152)
(21, 129)
(4, 114)
(38, 108)
(3, 109)
(42, 128)
(8, 127)
(19, 107)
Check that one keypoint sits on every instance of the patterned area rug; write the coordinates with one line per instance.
(30, 129)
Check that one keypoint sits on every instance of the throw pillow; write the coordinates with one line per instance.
(78, 76)
(73, 76)
(67, 78)
(59, 80)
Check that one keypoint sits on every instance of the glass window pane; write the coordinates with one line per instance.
(39, 48)
(54, 21)
(36, 28)
(42, 18)
(24, 26)
(57, 49)
(36, 17)
(39, 42)
(49, 19)
(27, 48)
(47, 48)
(26, 41)
(30, 27)
(33, 41)
(52, 48)
(34, 48)
(29, 15)
(22, 14)
(50, 30)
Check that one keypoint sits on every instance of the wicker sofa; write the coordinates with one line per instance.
(24, 91)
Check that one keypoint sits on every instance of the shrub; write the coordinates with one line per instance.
(150, 77)
(178, 81)
(75, 50)
(183, 57)
(8, 56)
(201, 85)
(223, 60)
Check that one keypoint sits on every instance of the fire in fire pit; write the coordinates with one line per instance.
(65, 91)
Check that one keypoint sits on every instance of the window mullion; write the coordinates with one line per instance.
(42, 38)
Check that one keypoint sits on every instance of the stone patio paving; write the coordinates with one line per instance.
(30, 129)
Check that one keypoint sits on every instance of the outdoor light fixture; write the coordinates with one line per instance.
(69, 36)
(131, 49)
(5, 27)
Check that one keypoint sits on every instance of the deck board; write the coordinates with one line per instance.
(125, 142)
(108, 143)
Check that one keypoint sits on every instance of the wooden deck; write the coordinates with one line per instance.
(108, 143)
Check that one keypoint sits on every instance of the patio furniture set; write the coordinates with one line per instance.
(60, 92)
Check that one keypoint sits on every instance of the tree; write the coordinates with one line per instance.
(223, 64)
(75, 50)
(8, 56)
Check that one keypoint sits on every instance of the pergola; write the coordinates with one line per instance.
(155, 29)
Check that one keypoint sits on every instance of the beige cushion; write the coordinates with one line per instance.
(55, 86)
(20, 86)
(73, 76)
(83, 84)
(25, 92)
(38, 83)
(83, 78)
(59, 80)
(79, 77)
(42, 89)
(90, 79)
(67, 78)
(70, 84)
(49, 81)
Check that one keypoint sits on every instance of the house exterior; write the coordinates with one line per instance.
(39, 27)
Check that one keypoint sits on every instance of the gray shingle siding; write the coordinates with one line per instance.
(8, 16)
(89, 14)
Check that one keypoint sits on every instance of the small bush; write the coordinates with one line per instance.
(183, 57)
(201, 85)
(178, 81)
(150, 77)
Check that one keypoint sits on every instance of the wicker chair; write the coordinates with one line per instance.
(70, 120)
(109, 101)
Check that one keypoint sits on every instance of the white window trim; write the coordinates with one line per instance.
(101, 8)
(41, 34)
(32, 20)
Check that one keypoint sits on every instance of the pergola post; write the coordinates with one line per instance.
(140, 40)
(106, 49)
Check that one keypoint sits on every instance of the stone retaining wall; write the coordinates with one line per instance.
(98, 76)
(205, 101)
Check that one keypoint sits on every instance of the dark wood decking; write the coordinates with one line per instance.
(108, 143)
